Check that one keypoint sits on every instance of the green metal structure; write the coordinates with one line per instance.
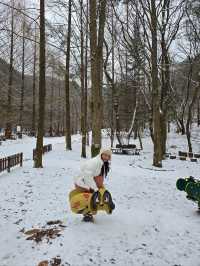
(191, 186)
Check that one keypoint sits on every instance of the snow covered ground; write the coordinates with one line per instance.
(153, 224)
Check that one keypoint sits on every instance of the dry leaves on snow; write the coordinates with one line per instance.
(53, 262)
(38, 235)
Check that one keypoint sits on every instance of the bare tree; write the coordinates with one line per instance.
(67, 81)
(96, 54)
(42, 88)
(34, 84)
(83, 93)
(8, 130)
(21, 110)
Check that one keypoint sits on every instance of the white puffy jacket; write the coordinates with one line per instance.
(89, 170)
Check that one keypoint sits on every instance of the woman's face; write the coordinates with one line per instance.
(105, 157)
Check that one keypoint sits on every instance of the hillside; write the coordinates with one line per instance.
(55, 96)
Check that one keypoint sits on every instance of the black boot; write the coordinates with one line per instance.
(88, 218)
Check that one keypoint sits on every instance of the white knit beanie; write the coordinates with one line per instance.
(106, 151)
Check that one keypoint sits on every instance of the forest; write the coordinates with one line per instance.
(99, 132)
(76, 66)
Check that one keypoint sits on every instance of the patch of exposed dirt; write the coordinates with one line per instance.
(54, 222)
(53, 262)
(38, 234)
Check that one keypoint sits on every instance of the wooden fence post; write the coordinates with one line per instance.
(8, 167)
(21, 159)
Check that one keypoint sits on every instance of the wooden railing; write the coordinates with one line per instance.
(11, 161)
(46, 148)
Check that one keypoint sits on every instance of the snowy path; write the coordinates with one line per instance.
(153, 224)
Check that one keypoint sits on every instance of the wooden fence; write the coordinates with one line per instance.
(8, 162)
(46, 148)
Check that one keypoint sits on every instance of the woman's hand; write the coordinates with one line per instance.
(99, 181)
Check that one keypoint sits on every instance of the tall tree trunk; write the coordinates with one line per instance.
(96, 53)
(112, 132)
(164, 96)
(51, 105)
(59, 114)
(82, 72)
(165, 77)
(34, 86)
(86, 74)
(63, 120)
(126, 55)
(67, 81)
(189, 118)
(8, 130)
(198, 112)
(168, 127)
(181, 125)
(182, 117)
(22, 79)
(42, 88)
(157, 157)
(140, 139)
(163, 127)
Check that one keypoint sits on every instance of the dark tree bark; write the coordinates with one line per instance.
(59, 115)
(67, 82)
(165, 79)
(8, 130)
(189, 117)
(181, 125)
(96, 54)
(82, 72)
(140, 139)
(182, 116)
(22, 79)
(157, 157)
(51, 105)
(198, 112)
(189, 120)
(112, 131)
(86, 74)
(34, 86)
(42, 88)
